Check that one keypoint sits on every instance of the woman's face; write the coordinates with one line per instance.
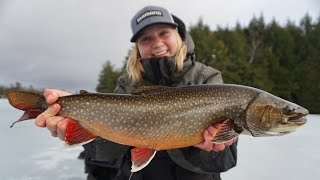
(157, 40)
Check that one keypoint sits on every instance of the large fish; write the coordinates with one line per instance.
(158, 118)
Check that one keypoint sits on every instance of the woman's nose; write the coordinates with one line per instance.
(157, 42)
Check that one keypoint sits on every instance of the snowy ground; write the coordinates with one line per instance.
(295, 156)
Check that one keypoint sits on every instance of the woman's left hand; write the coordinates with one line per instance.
(208, 135)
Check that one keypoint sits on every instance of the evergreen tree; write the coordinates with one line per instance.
(280, 44)
(108, 78)
(203, 39)
(308, 93)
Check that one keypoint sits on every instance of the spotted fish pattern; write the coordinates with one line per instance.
(176, 116)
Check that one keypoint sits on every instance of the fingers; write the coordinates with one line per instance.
(212, 131)
(207, 145)
(52, 124)
(208, 136)
(61, 128)
(57, 127)
(42, 119)
(228, 143)
(55, 124)
(52, 95)
(54, 134)
(218, 147)
(49, 119)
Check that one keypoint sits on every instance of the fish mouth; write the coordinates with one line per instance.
(284, 133)
(297, 119)
(294, 116)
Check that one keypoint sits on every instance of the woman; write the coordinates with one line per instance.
(162, 55)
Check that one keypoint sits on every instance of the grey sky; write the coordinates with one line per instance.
(63, 44)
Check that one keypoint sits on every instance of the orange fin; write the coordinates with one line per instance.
(76, 134)
(225, 132)
(28, 114)
(141, 157)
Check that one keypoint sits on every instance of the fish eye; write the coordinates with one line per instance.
(288, 110)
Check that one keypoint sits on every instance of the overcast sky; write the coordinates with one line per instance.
(64, 43)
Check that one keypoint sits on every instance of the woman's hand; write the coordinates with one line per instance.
(208, 134)
(55, 124)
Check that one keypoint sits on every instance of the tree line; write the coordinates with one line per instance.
(281, 59)
(17, 86)
(284, 61)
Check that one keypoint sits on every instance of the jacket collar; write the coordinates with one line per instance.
(162, 71)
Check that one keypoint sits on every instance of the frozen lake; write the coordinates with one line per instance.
(30, 153)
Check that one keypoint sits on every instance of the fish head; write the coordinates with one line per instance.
(268, 115)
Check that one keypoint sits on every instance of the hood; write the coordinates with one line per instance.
(190, 44)
(161, 71)
(184, 34)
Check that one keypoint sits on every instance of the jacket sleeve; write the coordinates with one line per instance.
(210, 75)
(101, 149)
(201, 161)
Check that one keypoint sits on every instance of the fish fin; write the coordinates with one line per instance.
(141, 157)
(32, 103)
(83, 92)
(76, 134)
(28, 114)
(226, 132)
(148, 89)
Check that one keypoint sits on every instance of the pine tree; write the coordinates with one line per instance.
(203, 39)
(108, 78)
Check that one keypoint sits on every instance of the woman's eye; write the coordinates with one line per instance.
(145, 39)
(164, 33)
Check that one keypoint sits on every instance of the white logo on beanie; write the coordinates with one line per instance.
(148, 14)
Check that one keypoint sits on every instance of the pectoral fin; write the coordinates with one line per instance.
(76, 134)
(226, 132)
(141, 157)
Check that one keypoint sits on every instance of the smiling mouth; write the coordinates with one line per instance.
(161, 53)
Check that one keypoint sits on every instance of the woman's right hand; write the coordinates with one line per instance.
(55, 124)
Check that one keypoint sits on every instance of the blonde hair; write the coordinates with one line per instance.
(135, 69)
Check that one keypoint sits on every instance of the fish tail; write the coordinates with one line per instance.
(32, 103)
